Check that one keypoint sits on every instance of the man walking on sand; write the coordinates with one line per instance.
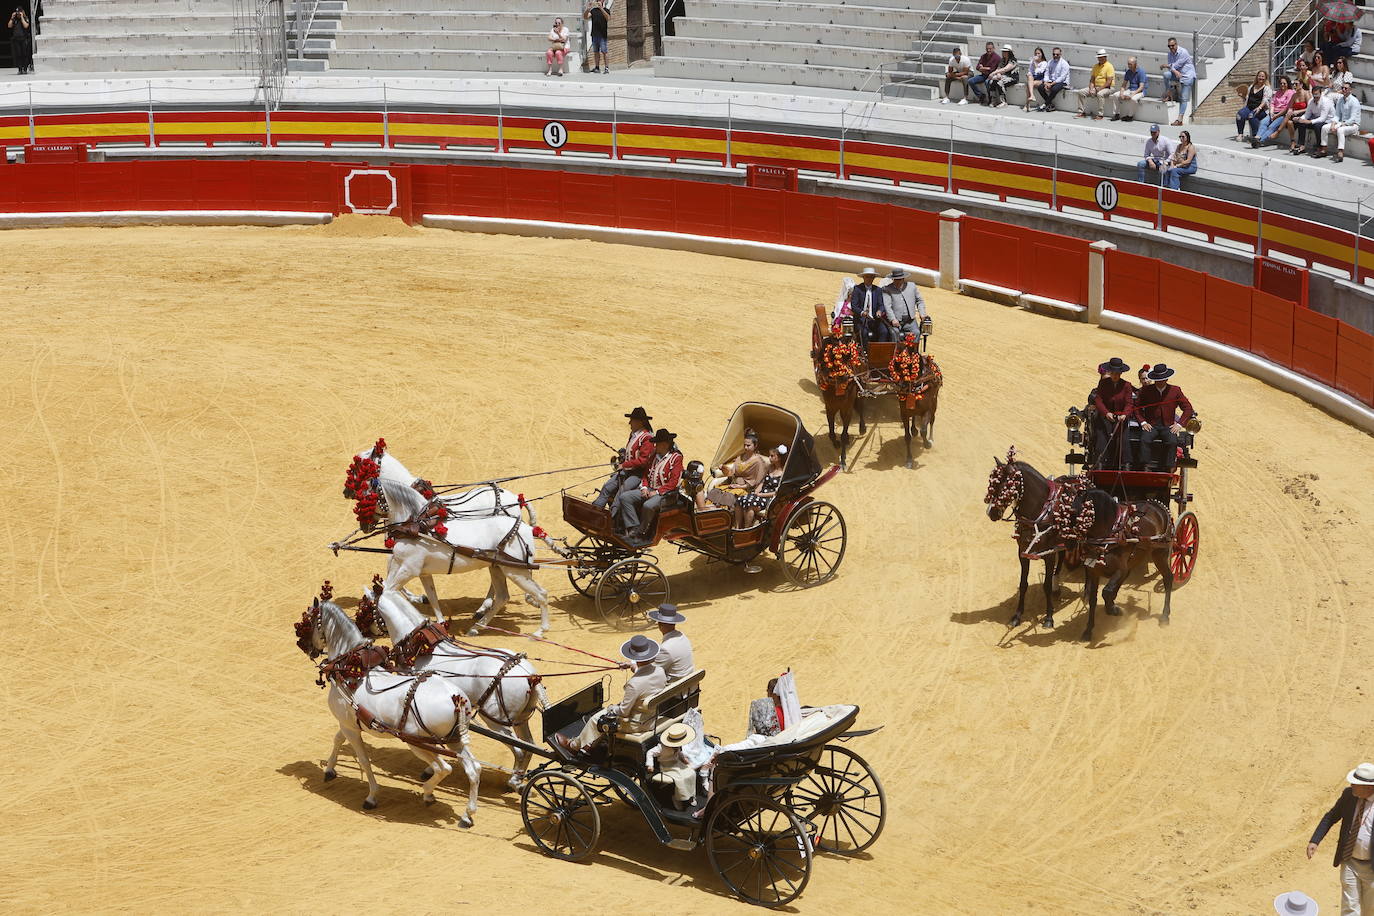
(1354, 808)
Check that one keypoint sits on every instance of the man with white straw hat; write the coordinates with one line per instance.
(1100, 82)
(670, 767)
(1355, 810)
(1295, 903)
(647, 680)
(869, 308)
(675, 649)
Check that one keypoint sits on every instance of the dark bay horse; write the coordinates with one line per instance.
(1017, 486)
(1117, 543)
(918, 399)
(837, 361)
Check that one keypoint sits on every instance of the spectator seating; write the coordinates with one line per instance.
(832, 45)
(101, 36)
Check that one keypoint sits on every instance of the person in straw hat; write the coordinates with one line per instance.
(1295, 903)
(632, 710)
(668, 764)
(1354, 808)
(868, 305)
(674, 648)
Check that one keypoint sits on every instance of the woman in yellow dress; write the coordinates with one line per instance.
(739, 476)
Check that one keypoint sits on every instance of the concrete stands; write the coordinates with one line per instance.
(102, 36)
(828, 45)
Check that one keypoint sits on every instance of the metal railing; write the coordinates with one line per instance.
(302, 34)
(935, 25)
(1226, 23)
(260, 41)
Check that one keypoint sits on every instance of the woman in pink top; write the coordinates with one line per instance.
(1278, 113)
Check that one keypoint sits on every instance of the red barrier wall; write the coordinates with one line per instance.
(1024, 260)
(1133, 284)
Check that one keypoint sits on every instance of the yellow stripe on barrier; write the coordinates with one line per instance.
(894, 164)
(1005, 179)
(17, 132)
(461, 131)
(184, 128)
(286, 125)
(113, 129)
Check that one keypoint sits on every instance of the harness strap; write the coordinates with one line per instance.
(510, 663)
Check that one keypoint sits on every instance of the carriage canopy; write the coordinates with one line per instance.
(775, 426)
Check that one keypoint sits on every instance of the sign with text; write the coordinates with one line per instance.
(56, 152)
(774, 177)
(1282, 280)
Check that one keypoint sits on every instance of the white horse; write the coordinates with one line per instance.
(480, 502)
(432, 711)
(429, 556)
(506, 707)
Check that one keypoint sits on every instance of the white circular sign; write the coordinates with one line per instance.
(1106, 196)
(555, 135)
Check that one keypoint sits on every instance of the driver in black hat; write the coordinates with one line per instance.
(661, 481)
(1114, 399)
(647, 680)
(633, 460)
(1163, 410)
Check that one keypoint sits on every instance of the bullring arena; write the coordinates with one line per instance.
(177, 444)
(246, 241)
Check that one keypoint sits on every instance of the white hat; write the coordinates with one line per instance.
(1295, 903)
(869, 272)
(1101, 52)
(1006, 47)
(678, 735)
(1362, 775)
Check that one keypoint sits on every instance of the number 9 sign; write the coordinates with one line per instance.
(555, 135)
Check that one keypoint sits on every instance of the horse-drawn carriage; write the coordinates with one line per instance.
(1131, 486)
(847, 374)
(807, 536)
(773, 806)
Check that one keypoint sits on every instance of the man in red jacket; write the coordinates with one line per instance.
(633, 460)
(1162, 410)
(1113, 399)
(659, 483)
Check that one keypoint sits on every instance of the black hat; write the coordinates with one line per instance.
(1159, 372)
(1115, 364)
(664, 436)
(666, 613)
(639, 414)
(639, 649)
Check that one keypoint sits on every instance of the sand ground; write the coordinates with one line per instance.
(180, 405)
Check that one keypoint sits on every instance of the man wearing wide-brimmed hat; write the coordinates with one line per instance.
(675, 649)
(1113, 400)
(872, 320)
(636, 510)
(1355, 811)
(905, 307)
(1163, 410)
(633, 460)
(632, 710)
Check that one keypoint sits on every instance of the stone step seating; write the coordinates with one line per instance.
(785, 52)
(94, 36)
(872, 15)
(852, 79)
(387, 42)
(448, 21)
(807, 32)
(1180, 22)
(547, 9)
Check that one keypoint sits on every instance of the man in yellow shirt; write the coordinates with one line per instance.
(1099, 86)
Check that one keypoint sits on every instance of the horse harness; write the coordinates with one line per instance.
(424, 640)
(412, 530)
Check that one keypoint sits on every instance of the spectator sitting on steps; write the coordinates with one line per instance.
(1008, 73)
(1039, 67)
(1184, 161)
(1254, 105)
(1056, 80)
(989, 62)
(1159, 152)
(1344, 122)
(558, 48)
(1133, 85)
(956, 71)
(1321, 109)
(1100, 83)
(1280, 104)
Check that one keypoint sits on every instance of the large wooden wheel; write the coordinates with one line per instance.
(595, 554)
(1183, 554)
(760, 850)
(560, 815)
(628, 590)
(843, 798)
(812, 544)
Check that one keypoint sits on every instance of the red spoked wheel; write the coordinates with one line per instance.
(1183, 555)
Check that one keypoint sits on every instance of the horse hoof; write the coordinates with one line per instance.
(1015, 621)
(429, 799)
(1087, 636)
(909, 465)
(426, 773)
(465, 822)
(1164, 621)
(329, 774)
(537, 634)
(368, 804)
(1049, 623)
(474, 632)
(1114, 611)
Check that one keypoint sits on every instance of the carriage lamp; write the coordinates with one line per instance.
(926, 327)
(1194, 424)
(1073, 419)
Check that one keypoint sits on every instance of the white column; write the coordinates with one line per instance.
(949, 249)
(1097, 279)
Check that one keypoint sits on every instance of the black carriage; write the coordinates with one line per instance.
(807, 536)
(774, 805)
(1111, 472)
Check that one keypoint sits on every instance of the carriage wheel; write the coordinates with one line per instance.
(560, 815)
(628, 590)
(1183, 554)
(760, 850)
(812, 544)
(843, 798)
(583, 578)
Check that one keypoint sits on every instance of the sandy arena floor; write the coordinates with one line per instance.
(180, 405)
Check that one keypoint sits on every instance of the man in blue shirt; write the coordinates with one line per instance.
(1133, 84)
(1056, 80)
(1179, 77)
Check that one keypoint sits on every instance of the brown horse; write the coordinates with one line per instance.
(1117, 542)
(838, 360)
(1017, 486)
(918, 398)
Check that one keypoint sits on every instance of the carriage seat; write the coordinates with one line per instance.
(668, 706)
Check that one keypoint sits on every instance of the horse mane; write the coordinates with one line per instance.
(403, 502)
(341, 634)
(398, 605)
(1028, 469)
